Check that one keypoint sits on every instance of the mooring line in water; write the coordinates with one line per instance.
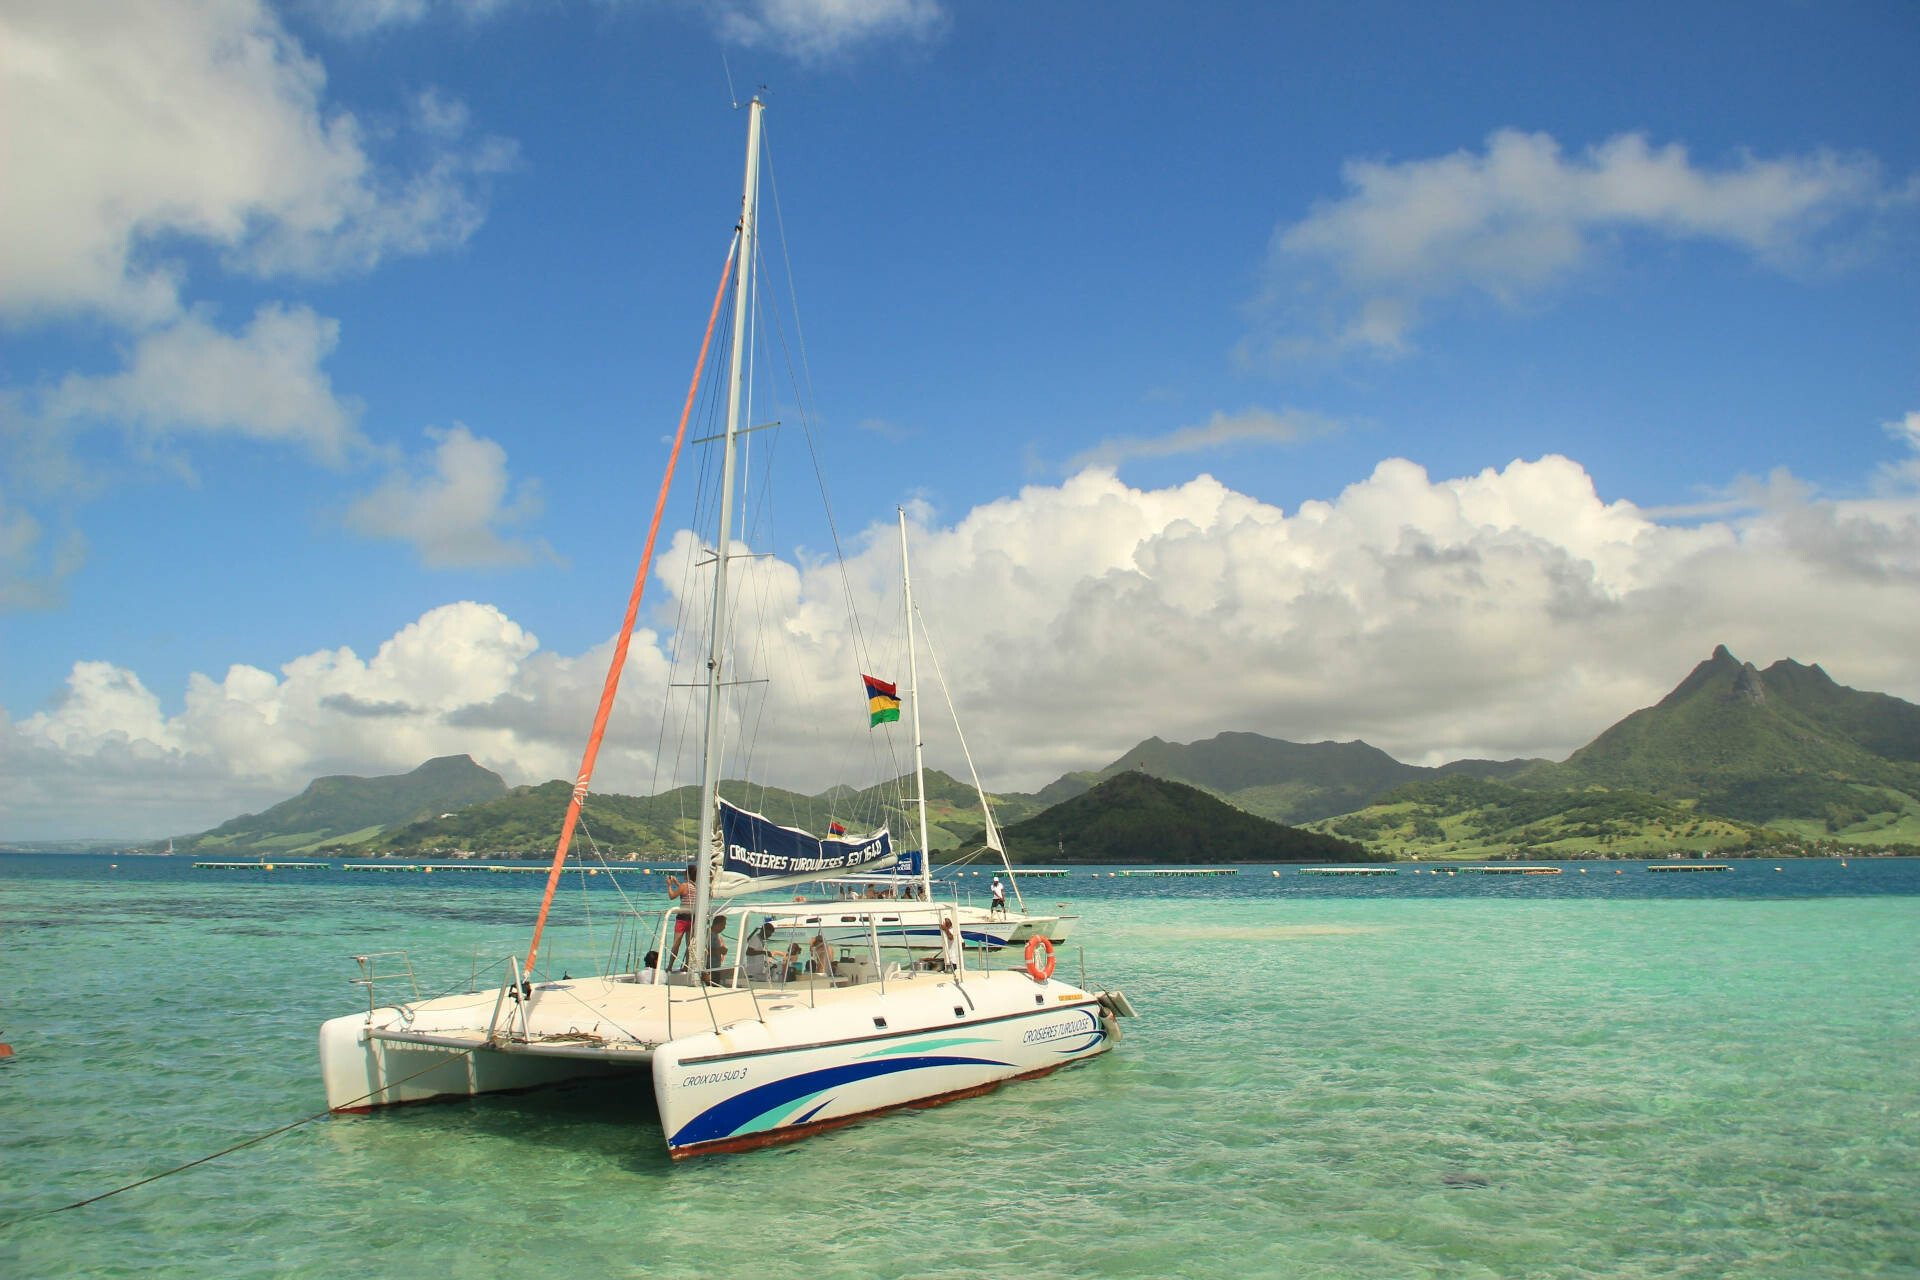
(238, 1146)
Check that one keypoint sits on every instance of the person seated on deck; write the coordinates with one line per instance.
(822, 958)
(652, 971)
(788, 965)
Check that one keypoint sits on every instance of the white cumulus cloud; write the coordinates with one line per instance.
(1515, 612)
(1521, 216)
(127, 125)
(147, 149)
(813, 30)
(454, 507)
(189, 377)
(359, 17)
(1250, 426)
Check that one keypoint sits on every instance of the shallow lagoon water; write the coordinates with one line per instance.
(1582, 1075)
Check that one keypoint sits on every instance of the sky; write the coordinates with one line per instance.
(1449, 377)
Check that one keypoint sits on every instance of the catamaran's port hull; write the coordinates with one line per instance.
(364, 1071)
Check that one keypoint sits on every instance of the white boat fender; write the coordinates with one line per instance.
(1116, 1003)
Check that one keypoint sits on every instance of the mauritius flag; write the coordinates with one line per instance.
(883, 701)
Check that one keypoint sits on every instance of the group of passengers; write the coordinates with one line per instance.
(908, 892)
(766, 962)
(762, 960)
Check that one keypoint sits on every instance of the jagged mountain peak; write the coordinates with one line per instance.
(1748, 686)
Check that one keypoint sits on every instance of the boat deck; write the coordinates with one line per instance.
(618, 1019)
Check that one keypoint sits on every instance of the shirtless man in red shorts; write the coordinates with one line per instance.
(683, 919)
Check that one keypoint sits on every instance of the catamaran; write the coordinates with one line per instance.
(757, 1021)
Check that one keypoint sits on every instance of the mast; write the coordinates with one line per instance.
(716, 631)
(913, 696)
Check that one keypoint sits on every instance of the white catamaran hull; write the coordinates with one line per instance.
(782, 1064)
(363, 1071)
(757, 1083)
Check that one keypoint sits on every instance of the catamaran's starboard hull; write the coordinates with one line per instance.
(758, 1083)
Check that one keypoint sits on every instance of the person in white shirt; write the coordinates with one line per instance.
(999, 895)
(759, 966)
(949, 945)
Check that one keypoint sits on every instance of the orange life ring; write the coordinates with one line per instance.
(1040, 971)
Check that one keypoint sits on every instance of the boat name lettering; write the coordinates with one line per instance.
(781, 862)
(715, 1077)
(1054, 1031)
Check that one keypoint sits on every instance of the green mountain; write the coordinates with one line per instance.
(343, 810)
(1136, 817)
(1733, 758)
(1467, 817)
(1284, 781)
(526, 822)
(1785, 747)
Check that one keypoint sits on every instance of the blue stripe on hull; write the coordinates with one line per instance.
(744, 1112)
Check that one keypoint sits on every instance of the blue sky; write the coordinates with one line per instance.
(1200, 339)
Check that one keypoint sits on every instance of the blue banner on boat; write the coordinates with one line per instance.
(765, 851)
(908, 864)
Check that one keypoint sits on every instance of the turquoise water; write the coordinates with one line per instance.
(1584, 1075)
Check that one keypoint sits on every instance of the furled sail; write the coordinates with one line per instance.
(756, 853)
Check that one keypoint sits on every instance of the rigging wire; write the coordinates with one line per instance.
(802, 379)
(991, 829)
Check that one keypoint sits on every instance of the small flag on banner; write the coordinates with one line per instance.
(834, 828)
(883, 701)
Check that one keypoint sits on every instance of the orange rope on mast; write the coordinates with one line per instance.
(626, 627)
